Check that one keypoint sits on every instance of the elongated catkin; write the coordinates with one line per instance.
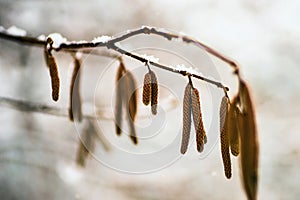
(75, 110)
(51, 63)
(147, 89)
(233, 132)
(225, 137)
(249, 143)
(198, 122)
(126, 95)
(131, 100)
(54, 77)
(130, 105)
(118, 100)
(154, 93)
(187, 108)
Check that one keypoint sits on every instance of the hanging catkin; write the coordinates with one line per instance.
(186, 129)
(224, 136)
(147, 89)
(118, 101)
(130, 102)
(233, 128)
(249, 142)
(50, 61)
(198, 122)
(75, 99)
(126, 95)
(154, 93)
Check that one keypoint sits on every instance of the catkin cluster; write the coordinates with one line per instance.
(239, 135)
(126, 97)
(192, 107)
(150, 91)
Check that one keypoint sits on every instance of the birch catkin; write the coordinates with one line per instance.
(249, 143)
(233, 132)
(197, 118)
(225, 137)
(147, 89)
(50, 61)
(75, 99)
(129, 101)
(187, 108)
(154, 93)
(126, 96)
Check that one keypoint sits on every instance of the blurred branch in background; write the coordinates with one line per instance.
(90, 132)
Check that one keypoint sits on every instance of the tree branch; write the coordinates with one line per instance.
(84, 47)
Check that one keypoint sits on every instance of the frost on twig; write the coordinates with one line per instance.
(190, 70)
(13, 30)
(102, 39)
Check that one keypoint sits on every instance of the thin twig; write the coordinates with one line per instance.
(111, 44)
(32, 41)
(27, 106)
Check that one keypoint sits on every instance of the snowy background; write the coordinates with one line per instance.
(37, 152)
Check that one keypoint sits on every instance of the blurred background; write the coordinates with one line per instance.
(37, 151)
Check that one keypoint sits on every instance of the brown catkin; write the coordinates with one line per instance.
(132, 94)
(118, 100)
(130, 102)
(54, 77)
(233, 132)
(186, 129)
(249, 143)
(154, 93)
(198, 122)
(126, 95)
(147, 89)
(225, 137)
(75, 109)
